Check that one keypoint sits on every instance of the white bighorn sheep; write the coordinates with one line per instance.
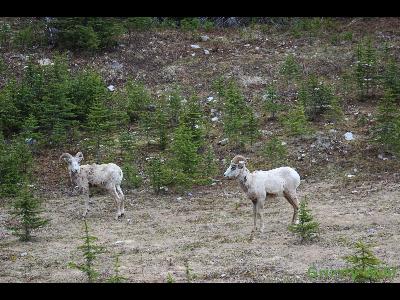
(108, 176)
(260, 185)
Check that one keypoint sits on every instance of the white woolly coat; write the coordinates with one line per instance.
(273, 182)
(100, 175)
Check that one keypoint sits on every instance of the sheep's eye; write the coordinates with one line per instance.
(233, 168)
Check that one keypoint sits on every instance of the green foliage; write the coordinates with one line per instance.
(335, 112)
(138, 99)
(295, 121)
(236, 114)
(116, 278)
(27, 209)
(271, 102)
(387, 129)
(275, 152)
(31, 35)
(101, 122)
(174, 106)
(251, 126)
(307, 228)
(139, 23)
(167, 23)
(90, 252)
(365, 69)
(316, 97)
(290, 68)
(132, 179)
(209, 165)
(190, 276)
(190, 24)
(159, 174)
(5, 35)
(365, 266)
(170, 278)
(15, 165)
(391, 78)
(310, 26)
(192, 117)
(87, 33)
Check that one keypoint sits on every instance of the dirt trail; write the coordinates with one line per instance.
(211, 231)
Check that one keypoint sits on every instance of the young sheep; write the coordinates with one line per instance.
(260, 185)
(108, 176)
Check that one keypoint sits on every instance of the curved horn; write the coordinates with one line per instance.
(65, 156)
(79, 156)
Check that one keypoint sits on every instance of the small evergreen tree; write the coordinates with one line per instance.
(209, 165)
(391, 78)
(116, 278)
(159, 174)
(275, 152)
(27, 209)
(307, 228)
(387, 130)
(295, 121)
(90, 252)
(251, 128)
(174, 106)
(100, 123)
(365, 266)
(290, 69)
(365, 69)
(271, 103)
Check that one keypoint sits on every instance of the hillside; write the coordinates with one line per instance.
(351, 184)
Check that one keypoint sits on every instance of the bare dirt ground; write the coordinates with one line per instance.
(211, 232)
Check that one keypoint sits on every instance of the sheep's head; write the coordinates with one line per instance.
(236, 167)
(73, 162)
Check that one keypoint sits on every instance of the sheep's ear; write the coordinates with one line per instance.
(66, 156)
(79, 156)
(241, 164)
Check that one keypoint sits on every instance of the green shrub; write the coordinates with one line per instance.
(30, 35)
(316, 97)
(90, 252)
(391, 78)
(307, 228)
(15, 165)
(174, 106)
(290, 68)
(275, 152)
(132, 179)
(138, 98)
(5, 35)
(27, 209)
(190, 24)
(86, 33)
(295, 121)
(271, 103)
(116, 278)
(386, 132)
(365, 69)
(159, 174)
(139, 23)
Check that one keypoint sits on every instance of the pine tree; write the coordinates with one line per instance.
(116, 278)
(391, 78)
(275, 152)
(251, 128)
(365, 69)
(290, 69)
(162, 124)
(307, 228)
(271, 103)
(174, 106)
(295, 121)
(209, 167)
(192, 117)
(90, 252)
(387, 130)
(365, 266)
(27, 209)
(100, 123)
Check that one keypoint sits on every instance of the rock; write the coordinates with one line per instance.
(119, 242)
(116, 65)
(179, 198)
(223, 142)
(45, 62)
(247, 45)
(195, 46)
(257, 48)
(213, 110)
(193, 54)
(348, 136)
(151, 107)
(206, 52)
(24, 254)
(111, 88)
(214, 119)
(350, 175)
(380, 156)
(190, 194)
(204, 38)
(283, 143)
(209, 99)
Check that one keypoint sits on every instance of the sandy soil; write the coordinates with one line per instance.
(209, 231)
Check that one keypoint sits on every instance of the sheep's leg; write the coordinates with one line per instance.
(254, 216)
(114, 194)
(122, 197)
(292, 199)
(86, 198)
(260, 212)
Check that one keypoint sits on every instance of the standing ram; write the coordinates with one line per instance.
(260, 185)
(108, 176)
